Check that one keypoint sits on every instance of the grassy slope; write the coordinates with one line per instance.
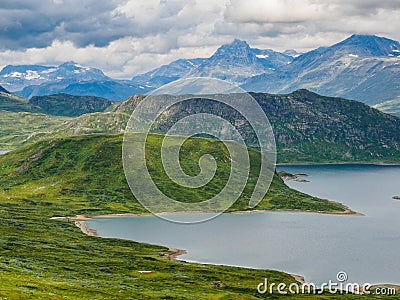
(42, 258)
(21, 128)
(10, 102)
(70, 105)
(308, 127)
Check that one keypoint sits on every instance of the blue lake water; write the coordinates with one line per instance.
(4, 152)
(316, 246)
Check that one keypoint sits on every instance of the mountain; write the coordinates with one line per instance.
(13, 103)
(238, 61)
(308, 127)
(390, 107)
(362, 67)
(166, 74)
(71, 78)
(16, 78)
(55, 105)
(69, 105)
(115, 90)
(234, 62)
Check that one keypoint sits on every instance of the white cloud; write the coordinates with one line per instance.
(274, 11)
(129, 37)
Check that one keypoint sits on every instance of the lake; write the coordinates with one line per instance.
(4, 152)
(316, 246)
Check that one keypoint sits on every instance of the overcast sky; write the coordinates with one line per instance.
(129, 37)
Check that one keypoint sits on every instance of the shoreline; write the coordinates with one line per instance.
(83, 218)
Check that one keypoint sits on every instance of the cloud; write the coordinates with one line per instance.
(126, 37)
(37, 23)
(274, 11)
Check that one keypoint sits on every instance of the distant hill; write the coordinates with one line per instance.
(56, 105)
(308, 127)
(10, 102)
(69, 105)
(362, 67)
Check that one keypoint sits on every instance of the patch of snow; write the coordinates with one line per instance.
(77, 71)
(262, 55)
(396, 51)
(59, 77)
(49, 71)
(353, 55)
(31, 75)
(390, 55)
(140, 87)
(15, 75)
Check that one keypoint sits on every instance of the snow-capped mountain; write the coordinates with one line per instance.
(35, 80)
(238, 61)
(166, 73)
(234, 62)
(15, 78)
(362, 67)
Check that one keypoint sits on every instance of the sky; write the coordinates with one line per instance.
(124, 38)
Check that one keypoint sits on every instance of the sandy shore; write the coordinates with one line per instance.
(346, 212)
(83, 226)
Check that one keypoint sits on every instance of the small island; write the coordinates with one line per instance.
(396, 197)
(293, 177)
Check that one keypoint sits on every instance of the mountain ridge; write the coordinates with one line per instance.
(362, 67)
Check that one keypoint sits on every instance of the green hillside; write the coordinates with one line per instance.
(13, 103)
(70, 105)
(42, 258)
(21, 128)
(87, 170)
(308, 127)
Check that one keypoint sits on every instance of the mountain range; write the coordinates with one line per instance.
(308, 127)
(362, 67)
(35, 80)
